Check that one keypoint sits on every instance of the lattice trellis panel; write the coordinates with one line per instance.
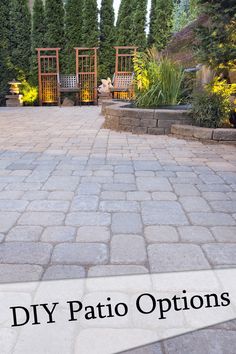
(48, 73)
(124, 73)
(86, 71)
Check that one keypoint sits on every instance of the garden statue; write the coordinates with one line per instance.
(106, 86)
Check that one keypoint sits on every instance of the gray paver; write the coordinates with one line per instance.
(88, 219)
(113, 270)
(128, 249)
(25, 233)
(176, 257)
(195, 234)
(163, 213)
(25, 253)
(80, 253)
(151, 184)
(84, 203)
(161, 234)
(48, 205)
(7, 220)
(221, 254)
(12, 273)
(127, 223)
(41, 218)
(60, 272)
(93, 234)
(58, 234)
(61, 183)
(224, 233)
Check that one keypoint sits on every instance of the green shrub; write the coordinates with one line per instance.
(211, 107)
(158, 80)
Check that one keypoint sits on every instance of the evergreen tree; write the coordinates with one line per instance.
(73, 31)
(5, 74)
(38, 37)
(54, 16)
(139, 24)
(151, 39)
(20, 36)
(162, 25)
(38, 26)
(125, 23)
(107, 38)
(185, 11)
(90, 33)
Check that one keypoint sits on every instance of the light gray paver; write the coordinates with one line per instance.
(25, 253)
(24, 233)
(116, 206)
(211, 219)
(209, 341)
(221, 254)
(84, 203)
(48, 205)
(58, 234)
(162, 234)
(191, 204)
(151, 184)
(128, 249)
(41, 218)
(126, 223)
(163, 213)
(7, 220)
(88, 219)
(93, 234)
(12, 273)
(60, 272)
(224, 233)
(61, 183)
(176, 257)
(113, 270)
(195, 234)
(80, 253)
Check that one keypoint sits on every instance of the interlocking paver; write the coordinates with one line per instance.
(128, 249)
(24, 233)
(176, 257)
(161, 234)
(93, 234)
(80, 253)
(101, 194)
(58, 234)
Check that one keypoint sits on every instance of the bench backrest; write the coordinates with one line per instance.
(123, 80)
(68, 81)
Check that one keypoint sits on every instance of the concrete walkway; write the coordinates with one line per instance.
(77, 200)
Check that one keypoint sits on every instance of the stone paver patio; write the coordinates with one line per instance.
(77, 200)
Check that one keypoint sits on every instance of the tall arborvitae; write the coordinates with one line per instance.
(54, 16)
(107, 38)
(20, 36)
(125, 33)
(73, 31)
(162, 25)
(38, 36)
(5, 74)
(90, 30)
(139, 24)
(152, 24)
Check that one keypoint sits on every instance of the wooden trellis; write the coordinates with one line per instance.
(124, 73)
(86, 72)
(48, 73)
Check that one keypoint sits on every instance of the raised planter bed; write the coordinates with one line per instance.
(223, 135)
(121, 116)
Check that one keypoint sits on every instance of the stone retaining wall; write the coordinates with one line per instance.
(225, 135)
(119, 117)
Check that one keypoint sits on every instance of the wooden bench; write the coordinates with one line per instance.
(68, 84)
(122, 83)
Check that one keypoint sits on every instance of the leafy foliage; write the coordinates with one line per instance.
(73, 31)
(158, 80)
(54, 14)
(185, 11)
(107, 39)
(30, 93)
(161, 23)
(212, 107)
(217, 38)
(38, 36)
(5, 72)
(124, 25)
(90, 33)
(20, 35)
(139, 24)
